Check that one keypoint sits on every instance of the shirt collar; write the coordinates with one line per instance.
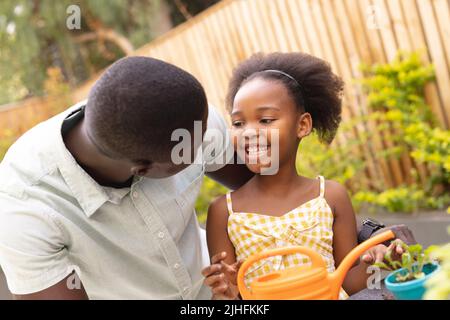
(89, 194)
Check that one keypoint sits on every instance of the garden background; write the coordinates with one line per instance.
(391, 150)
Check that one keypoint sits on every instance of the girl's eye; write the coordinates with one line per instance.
(267, 121)
(238, 123)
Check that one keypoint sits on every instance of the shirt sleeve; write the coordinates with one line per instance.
(33, 253)
(218, 150)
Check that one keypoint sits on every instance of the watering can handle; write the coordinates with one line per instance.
(339, 275)
(316, 260)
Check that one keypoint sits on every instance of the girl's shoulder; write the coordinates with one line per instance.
(217, 214)
(334, 193)
(218, 205)
(222, 205)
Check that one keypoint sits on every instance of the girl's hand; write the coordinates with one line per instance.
(376, 254)
(222, 278)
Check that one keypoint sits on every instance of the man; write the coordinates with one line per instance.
(94, 192)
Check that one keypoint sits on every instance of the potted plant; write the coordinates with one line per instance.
(408, 276)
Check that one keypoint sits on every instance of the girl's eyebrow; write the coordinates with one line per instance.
(263, 108)
(259, 109)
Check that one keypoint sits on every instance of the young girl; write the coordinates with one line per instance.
(291, 94)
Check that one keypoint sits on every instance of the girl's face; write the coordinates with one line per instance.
(262, 111)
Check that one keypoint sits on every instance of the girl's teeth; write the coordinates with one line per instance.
(256, 149)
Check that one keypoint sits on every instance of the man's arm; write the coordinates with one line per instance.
(233, 175)
(60, 291)
(401, 232)
(34, 252)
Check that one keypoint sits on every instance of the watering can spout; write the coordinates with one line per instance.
(340, 273)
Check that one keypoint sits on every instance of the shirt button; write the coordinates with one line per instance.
(135, 194)
(185, 289)
(176, 266)
(161, 235)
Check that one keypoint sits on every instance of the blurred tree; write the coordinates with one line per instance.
(182, 10)
(34, 36)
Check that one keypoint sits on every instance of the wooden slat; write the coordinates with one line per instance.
(417, 37)
(359, 30)
(214, 51)
(437, 53)
(343, 66)
(400, 28)
(255, 15)
(262, 8)
(300, 30)
(305, 14)
(250, 26)
(280, 35)
(386, 31)
(288, 28)
(442, 10)
(348, 64)
(376, 46)
(320, 32)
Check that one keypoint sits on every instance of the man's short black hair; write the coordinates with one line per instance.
(137, 103)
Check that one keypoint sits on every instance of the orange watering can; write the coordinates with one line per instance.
(304, 282)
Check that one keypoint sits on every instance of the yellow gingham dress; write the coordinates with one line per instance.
(309, 225)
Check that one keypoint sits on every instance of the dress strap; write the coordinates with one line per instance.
(229, 204)
(322, 186)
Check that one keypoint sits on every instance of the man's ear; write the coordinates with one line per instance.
(304, 125)
(141, 168)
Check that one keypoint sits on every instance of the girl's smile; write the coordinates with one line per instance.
(257, 154)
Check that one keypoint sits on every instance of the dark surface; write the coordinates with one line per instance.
(373, 294)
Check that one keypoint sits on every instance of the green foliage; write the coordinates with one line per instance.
(438, 287)
(34, 37)
(314, 158)
(412, 261)
(209, 191)
(401, 199)
(396, 100)
(395, 94)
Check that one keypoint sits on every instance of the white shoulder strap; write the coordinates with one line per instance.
(322, 186)
(229, 204)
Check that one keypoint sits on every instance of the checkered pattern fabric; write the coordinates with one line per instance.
(309, 225)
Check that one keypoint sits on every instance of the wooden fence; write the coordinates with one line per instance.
(344, 32)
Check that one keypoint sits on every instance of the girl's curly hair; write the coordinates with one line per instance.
(317, 89)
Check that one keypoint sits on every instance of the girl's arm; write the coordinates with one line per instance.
(217, 231)
(221, 274)
(345, 236)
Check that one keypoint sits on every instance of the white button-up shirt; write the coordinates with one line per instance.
(142, 242)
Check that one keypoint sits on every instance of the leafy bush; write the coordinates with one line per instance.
(395, 94)
(401, 199)
(438, 287)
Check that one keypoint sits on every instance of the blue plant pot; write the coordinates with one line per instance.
(410, 290)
